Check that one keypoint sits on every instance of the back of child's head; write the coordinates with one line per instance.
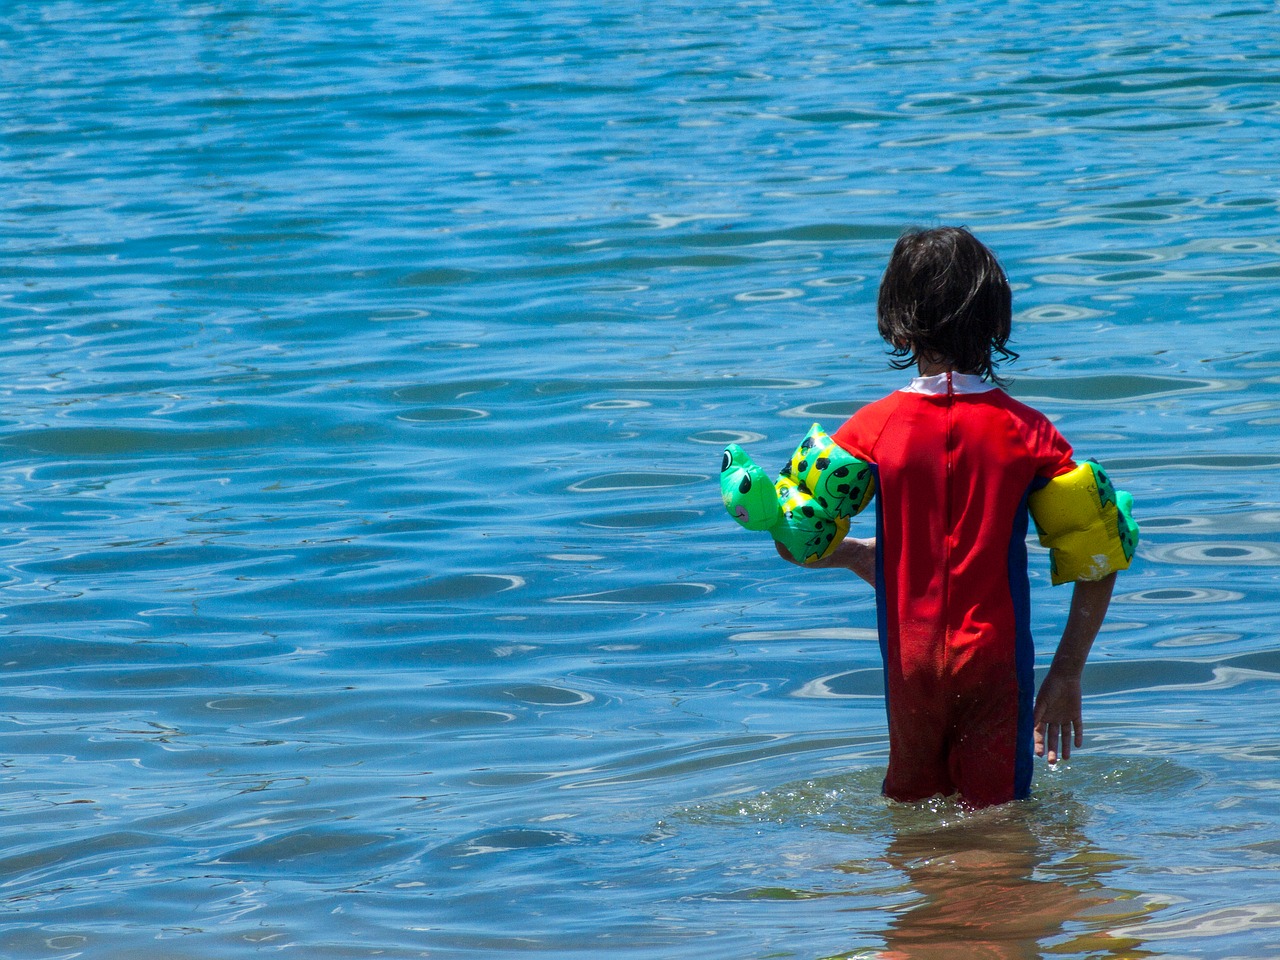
(945, 299)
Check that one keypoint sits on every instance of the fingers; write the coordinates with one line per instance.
(1054, 740)
(1047, 735)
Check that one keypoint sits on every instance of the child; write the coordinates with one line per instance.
(955, 460)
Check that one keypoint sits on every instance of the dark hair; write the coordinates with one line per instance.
(945, 298)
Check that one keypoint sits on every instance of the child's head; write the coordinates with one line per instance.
(945, 299)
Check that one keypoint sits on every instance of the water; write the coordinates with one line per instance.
(365, 373)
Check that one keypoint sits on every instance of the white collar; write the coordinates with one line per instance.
(937, 384)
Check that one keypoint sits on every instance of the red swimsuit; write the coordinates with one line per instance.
(955, 460)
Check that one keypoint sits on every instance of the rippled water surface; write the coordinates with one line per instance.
(365, 373)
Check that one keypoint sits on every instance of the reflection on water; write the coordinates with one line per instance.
(1017, 882)
(1006, 887)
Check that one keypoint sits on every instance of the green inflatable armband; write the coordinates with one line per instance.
(1086, 523)
(808, 508)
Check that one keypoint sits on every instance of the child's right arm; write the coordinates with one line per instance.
(851, 553)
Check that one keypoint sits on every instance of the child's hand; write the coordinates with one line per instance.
(851, 553)
(785, 554)
(1058, 717)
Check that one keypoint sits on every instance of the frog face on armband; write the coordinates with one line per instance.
(747, 491)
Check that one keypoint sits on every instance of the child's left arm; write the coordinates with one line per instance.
(852, 553)
(1058, 713)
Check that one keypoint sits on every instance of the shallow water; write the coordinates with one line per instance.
(366, 370)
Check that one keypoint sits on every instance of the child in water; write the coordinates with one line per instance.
(955, 460)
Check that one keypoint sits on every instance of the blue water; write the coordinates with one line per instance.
(365, 372)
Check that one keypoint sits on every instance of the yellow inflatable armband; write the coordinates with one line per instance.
(1086, 523)
(808, 508)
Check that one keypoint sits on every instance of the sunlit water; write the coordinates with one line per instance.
(366, 368)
